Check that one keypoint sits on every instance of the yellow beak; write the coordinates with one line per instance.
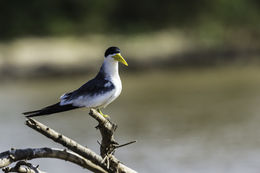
(119, 58)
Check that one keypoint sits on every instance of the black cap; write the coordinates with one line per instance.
(112, 50)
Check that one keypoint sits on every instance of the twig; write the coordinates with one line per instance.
(23, 167)
(13, 155)
(123, 145)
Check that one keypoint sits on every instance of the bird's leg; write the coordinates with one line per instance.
(104, 115)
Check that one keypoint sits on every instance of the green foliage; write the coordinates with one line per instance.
(62, 17)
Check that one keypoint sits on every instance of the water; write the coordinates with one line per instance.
(199, 121)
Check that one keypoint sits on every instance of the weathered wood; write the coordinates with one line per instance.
(66, 142)
(80, 155)
(23, 167)
(108, 143)
(13, 155)
(107, 130)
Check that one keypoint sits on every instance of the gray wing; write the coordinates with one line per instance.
(91, 88)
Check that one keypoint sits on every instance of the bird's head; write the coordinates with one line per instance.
(113, 53)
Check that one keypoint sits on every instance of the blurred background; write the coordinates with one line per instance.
(190, 95)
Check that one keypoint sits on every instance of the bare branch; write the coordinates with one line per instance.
(107, 148)
(23, 167)
(66, 142)
(107, 130)
(123, 145)
(108, 143)
(13, 155)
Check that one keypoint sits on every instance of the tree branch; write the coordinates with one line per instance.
(79, 154)
(23, 167)
(13, 155)
(66, 142)
(107, 130)
(108, 145)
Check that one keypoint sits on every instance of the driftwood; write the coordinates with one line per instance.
(106, 162)
(23, 167)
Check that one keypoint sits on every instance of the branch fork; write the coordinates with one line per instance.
(106, 162)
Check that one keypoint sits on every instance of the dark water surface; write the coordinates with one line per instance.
(190, 121)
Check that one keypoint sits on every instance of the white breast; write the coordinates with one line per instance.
(116, 92)
(110, 67)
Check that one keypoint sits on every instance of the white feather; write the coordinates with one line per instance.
(110, 67)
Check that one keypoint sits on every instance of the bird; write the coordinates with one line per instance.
(97, 93)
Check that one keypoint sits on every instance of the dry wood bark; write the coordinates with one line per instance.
(80, 155)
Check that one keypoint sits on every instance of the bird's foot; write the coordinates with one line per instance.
(104, 115)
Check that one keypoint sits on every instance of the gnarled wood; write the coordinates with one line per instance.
(80, 155)
(13, 155)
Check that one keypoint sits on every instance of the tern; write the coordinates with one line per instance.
(97, 93)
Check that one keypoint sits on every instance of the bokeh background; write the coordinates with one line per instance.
(190, 95)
